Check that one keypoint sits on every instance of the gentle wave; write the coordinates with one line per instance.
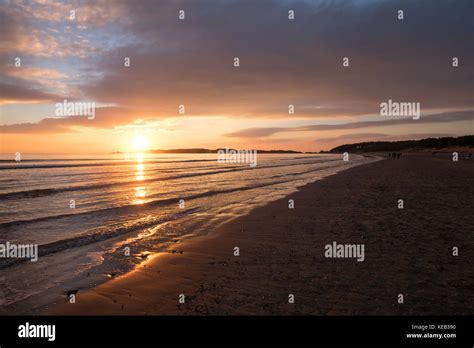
(97, 236)
(130, 208)
(131, 162)
(50, 191)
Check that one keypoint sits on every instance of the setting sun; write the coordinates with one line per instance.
(257, 160)
(139, 142)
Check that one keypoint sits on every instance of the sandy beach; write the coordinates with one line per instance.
(408, 251)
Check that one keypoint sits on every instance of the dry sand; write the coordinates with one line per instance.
(407, 251)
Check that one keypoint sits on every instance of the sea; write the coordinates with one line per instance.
(94, 217)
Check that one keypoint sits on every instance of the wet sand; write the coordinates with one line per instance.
(282, 251)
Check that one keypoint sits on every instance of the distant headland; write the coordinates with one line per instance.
(436, 144)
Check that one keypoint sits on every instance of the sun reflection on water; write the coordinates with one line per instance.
(140, 191)
(139, 175)
(139, 156)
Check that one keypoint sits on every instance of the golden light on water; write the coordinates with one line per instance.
(139, 175)
(140, 194)
(140, 191)
(139, 142)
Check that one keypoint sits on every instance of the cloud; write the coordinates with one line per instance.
(286, 62)
(43, 28)
(12, 94)
(420, 136)
(282, 62)
(437, 118)
(44, 78)
(105, 117)
(92, 12)
(352, 137)
(364, 137)
(33, 73)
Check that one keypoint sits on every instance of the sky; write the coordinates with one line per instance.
(80, 57)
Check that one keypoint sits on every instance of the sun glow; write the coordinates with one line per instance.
(139, 143)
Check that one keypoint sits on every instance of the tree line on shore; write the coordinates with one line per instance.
(379, 146)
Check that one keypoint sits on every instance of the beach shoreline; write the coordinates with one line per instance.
(281, 252)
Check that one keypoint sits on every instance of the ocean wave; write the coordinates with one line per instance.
(50, 191)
